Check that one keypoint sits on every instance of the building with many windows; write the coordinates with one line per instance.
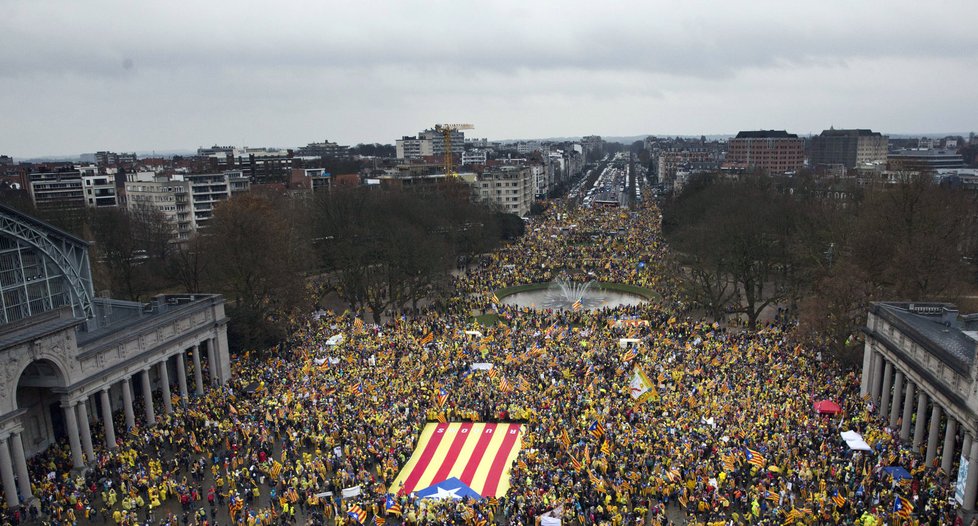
(100, 191)
(510, 188)
(58, 188)
(186, 200)
(428, 143)
(413, 147)
(925, 159)
(770, 151)
(323, 149)
(849, 148)
(71, 361)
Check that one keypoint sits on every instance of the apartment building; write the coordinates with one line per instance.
(770, 151)
(61, 187)
(186, 200)
(849, 148)
(508, 187)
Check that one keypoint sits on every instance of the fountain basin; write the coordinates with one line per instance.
(593, 296)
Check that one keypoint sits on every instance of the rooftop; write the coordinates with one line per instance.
(766, 134)
(937, 327)
(832, 132)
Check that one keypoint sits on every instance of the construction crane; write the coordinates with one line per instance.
(446, 133)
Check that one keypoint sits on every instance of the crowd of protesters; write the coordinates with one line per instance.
(726, 435)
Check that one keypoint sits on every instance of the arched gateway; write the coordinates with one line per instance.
(83, 370)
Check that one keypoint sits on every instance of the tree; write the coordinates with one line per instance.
(386, 250)
(187, 264)
(130, 248)
(734, 240)
(257, 257)
(911, 238)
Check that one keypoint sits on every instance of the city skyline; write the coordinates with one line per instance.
(79, 78)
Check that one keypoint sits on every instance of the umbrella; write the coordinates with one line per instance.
(827, 407)
(897, 472)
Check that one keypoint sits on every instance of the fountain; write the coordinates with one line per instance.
(565, 294)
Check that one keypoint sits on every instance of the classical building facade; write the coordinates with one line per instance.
(69, 360)
(919, 371)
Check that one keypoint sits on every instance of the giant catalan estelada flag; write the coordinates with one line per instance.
(479, 455)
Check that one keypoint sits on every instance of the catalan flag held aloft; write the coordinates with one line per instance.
(902, 507)
(839, 500)
(392, 507)
(442, 397)
(755, 457)
(428, 338)
(357, 513)
(596, 430)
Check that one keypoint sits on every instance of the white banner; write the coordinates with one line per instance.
(640, 384)
(350, 492)
(962, 478)
(482, 366)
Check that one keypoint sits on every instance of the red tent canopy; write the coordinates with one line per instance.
(827, 407)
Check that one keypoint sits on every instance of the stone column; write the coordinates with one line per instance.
(918, 428)
(165, 388)
(7, 474)
(86, 432)
(198, 375)
(148, 399)
(907, 412)
(71, 422)
(212, 366)
(127, 404)
(20, 464)
(971, 483)
(107, 424)
(966, 445)
(885, 395)
(935, 428)
(182, 378)
(866, 380)
(950, 438)
(895, 401)
(877, 377)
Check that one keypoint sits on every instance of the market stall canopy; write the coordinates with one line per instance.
(827, 407)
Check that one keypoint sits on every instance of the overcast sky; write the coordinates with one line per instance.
(80, 76)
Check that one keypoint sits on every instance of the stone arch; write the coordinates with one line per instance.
(38, 394)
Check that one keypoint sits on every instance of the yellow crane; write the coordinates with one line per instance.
(446, 133)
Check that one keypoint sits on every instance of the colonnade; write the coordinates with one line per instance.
(84, 410)
(906, 406)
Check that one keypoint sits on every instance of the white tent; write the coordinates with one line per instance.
(855, 441)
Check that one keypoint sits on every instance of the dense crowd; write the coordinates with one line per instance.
(727, 436)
